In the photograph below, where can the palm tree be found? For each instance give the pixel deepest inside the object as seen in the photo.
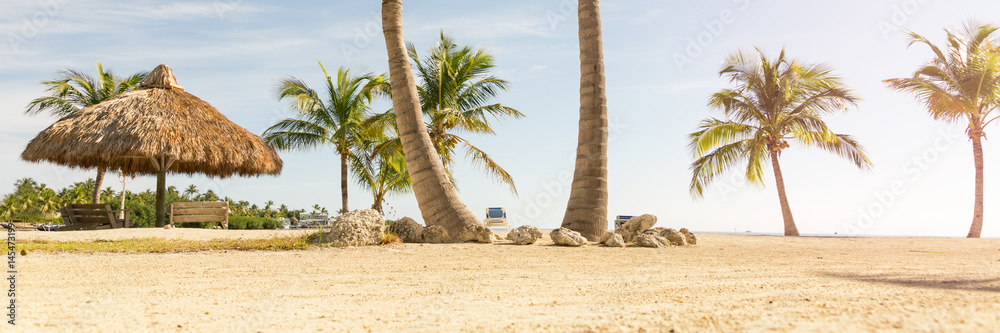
(381, 171)
(455, 96)
(438, 200)
(961, 85)
(107, 195)
(333, 117)
(587, 210)
(79, 192)
(74, 90)
(191, 192)
(774, 101)
(48, 200)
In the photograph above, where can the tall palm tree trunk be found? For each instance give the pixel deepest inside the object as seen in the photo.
(438, 200)
(977, 211)
(98, 181)
(786, 210)
(343, 181)
(161, 192)
(587, 210)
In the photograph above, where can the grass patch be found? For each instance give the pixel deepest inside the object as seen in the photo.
(160, 245)
(389, 238)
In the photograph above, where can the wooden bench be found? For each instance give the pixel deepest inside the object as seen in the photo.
(184, 212)
(92, 217)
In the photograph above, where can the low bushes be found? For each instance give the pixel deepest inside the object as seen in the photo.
(239, 223)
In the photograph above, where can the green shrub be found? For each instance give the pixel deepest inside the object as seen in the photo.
(246, 222)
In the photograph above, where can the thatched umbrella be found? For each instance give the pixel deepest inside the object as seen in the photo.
(155, 129)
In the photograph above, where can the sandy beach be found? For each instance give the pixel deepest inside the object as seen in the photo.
(725, 283)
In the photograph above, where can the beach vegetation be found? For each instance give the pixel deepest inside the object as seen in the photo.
(436, 195)
(961, 84)
(457, 91)
(773, 101)
(74, 90)
(587, 208)
(161, 245)
(331, 116)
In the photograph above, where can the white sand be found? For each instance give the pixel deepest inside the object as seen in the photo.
(726, 283)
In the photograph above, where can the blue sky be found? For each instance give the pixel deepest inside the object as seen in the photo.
(662, 62)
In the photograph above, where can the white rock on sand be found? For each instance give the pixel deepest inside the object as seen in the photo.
(524, 235)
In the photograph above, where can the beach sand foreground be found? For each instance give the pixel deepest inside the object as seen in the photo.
(725, 283)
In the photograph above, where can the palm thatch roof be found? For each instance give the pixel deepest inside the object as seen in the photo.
(156, 124)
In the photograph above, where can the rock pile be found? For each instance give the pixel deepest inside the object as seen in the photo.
(640, 231)
(356, 228)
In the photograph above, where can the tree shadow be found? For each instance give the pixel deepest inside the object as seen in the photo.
(948, 282)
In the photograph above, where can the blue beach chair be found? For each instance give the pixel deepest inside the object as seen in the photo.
(496, 217)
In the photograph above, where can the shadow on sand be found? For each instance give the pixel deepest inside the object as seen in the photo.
(950, 282)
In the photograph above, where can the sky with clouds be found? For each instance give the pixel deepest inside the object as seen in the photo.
(662, 61)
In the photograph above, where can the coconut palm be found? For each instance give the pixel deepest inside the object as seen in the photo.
(456, 94)
(331, 116)
(438, 200)
(191, 192)
(48, 201)
(74, 90)
(79, 192)
(587, 209)
(380, 171)
(774, 101)
(961, 85)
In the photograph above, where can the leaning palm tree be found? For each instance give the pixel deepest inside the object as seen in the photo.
(455, 95)
(74, 90)
(332, 116)
(774, 101)
(961, 84)
(587, 209)
(438, 200)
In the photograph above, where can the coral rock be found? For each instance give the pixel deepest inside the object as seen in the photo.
(475, 233)
(436, 234)
(652, 240)
(615, 240)
(690, 237)
(636, 226)
(675, 237)
(408, 230)
(566, 237)
(356, 228)
(524, 235)
(604, 237)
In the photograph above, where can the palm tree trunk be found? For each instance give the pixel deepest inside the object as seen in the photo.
(98, 181)
(786, 210)
(377, 203)
(587, 210)
(343, 181)
(161, 192)
(977, 211)
(438, 200)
